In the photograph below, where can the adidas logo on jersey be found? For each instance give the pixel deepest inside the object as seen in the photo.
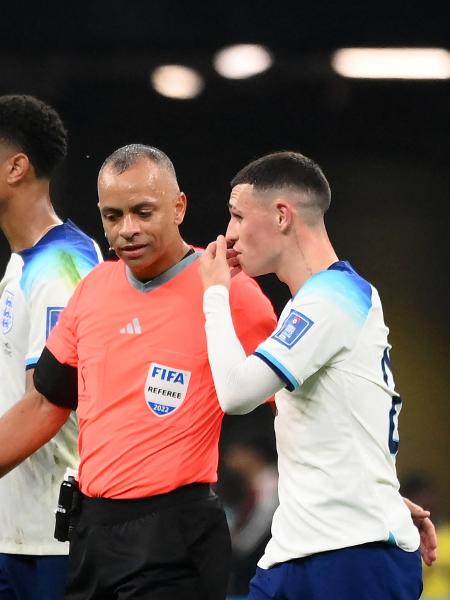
(132, 328)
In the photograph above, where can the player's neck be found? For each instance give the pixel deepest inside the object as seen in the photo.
(27, 217)
(314, 254)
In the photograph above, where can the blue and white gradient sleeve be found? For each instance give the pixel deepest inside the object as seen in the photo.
(49, 278)
(242, 382)
(318, 327)
(45, 300)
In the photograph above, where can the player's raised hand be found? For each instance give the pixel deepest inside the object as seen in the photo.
(214, 269)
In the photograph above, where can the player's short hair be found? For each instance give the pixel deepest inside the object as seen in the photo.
(126, 156)
(35, 129)
(287, 170)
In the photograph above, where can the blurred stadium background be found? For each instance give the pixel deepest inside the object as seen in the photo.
(383, 143)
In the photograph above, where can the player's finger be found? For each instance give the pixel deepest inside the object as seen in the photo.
(221, 247)
(417, 512)
(210, 251)
(429, 555)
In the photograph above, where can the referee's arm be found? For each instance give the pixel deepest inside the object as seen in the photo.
(27, 426)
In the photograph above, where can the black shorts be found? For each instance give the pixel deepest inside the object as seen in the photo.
(174, 546)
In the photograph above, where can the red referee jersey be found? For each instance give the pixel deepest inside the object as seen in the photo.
(148, 414)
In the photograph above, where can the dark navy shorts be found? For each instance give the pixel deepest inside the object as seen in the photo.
(375, 571)
(24, 577)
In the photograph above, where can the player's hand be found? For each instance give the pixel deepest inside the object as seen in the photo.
(428, 537)
(214, 269)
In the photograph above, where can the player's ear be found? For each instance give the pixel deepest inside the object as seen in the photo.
(17, 167)
(283, 216)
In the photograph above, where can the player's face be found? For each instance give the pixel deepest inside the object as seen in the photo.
(252, 230)
(141, 210)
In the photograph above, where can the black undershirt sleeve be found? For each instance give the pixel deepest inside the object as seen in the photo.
(56, 381)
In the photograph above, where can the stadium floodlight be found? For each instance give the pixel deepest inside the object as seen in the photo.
(392, 63)
(242, 61)
(177, 81)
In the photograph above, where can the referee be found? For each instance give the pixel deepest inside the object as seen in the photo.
(129, 355)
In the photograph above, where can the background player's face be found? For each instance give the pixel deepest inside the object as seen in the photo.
(141, 210)
(252, 230)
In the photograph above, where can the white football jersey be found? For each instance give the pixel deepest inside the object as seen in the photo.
(336, 423)
(35, 288)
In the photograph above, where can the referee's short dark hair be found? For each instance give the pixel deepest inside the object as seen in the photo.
(126, 156)
(35, 129)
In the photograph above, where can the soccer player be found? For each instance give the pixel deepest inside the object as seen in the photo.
(149, 525)
(48, 259)
(342, 530)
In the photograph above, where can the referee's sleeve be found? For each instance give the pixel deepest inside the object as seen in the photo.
(56, 381)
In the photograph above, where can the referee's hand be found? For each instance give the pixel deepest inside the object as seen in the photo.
(214, 264)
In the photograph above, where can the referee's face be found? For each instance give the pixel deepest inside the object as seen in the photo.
(141, 210)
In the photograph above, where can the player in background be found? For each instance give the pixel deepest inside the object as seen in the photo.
(149, 524)
(48, 259)
(342, 530)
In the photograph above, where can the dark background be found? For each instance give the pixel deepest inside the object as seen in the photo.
(384, 146)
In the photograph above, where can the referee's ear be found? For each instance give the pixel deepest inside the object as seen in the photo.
(180, 208)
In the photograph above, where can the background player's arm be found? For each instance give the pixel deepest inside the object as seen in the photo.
(27, 426)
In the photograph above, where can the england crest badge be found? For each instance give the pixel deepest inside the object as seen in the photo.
(7, 311)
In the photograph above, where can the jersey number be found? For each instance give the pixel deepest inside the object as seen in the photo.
(396, 406)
